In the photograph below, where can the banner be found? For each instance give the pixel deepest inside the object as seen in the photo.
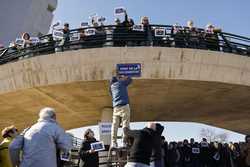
(131, 70)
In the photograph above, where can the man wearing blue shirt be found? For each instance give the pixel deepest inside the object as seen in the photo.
(121, 109)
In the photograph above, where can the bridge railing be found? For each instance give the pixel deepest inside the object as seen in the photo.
(119, 36)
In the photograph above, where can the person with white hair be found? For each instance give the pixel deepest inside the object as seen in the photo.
(40, 142)
(142, 146)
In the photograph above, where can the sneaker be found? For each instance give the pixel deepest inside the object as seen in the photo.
(114, 145)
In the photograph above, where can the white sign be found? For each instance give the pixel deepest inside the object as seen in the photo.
(138, 27)
(20, 41)
(105, 128)
(101, 19)
(74, 37)
(35, 40)
(160, 32)
(58, 34)
(196, 150)
(84, 24)
(90, 31)
(65, 156)
(97, 146)
(120, 10)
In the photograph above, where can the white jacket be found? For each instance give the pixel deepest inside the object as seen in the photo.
(39, 145)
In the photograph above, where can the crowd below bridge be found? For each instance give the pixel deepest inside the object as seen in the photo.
(43, 143)
(124, 32)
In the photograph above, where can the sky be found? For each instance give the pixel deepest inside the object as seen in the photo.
(173, 131)
(231, 16)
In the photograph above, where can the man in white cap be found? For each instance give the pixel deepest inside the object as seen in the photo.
(40, 142)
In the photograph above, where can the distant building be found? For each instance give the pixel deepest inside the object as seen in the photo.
(32, 16)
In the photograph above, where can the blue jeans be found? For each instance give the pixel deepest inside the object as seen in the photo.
(135, 164)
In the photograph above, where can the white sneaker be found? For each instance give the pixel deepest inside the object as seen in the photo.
(114, 145)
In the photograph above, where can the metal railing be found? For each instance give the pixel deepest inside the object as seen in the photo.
(119, 36)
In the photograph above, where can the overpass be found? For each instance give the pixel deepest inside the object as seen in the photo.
(177, 84)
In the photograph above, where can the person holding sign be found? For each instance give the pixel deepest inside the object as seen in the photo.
(121, 109)
(88, 155)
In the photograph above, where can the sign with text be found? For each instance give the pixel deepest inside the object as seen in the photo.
(120, 10)
(138, 27)
(90, 31)
(58, 34)
(131, 70)
(84, 24)
(105, 128)
(74, 37)
(35, 40)
(160, 32)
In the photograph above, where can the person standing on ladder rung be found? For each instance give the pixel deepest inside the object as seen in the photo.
(121, 109)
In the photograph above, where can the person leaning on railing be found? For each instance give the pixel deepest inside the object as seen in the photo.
(178, 36)
(27, 41)
(192, 35)
(211, 37)
(147, 31)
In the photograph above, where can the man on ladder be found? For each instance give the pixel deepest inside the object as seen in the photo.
(121, 109)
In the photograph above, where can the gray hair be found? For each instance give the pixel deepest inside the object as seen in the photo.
(47, 113)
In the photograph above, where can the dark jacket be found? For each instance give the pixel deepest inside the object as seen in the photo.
(87, 159)
(156, 152)
(119, 91)
(142, 146)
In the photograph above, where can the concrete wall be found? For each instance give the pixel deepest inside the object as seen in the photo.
(99, 64)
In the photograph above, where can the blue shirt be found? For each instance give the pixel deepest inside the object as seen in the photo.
(119, 91)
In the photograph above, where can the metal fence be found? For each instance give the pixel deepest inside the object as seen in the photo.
(120, 36)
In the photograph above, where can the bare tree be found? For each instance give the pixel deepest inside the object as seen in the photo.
(211, 135)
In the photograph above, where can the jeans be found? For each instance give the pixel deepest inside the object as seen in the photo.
(135, 164)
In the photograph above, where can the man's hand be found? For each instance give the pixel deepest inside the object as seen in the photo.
(91, 151)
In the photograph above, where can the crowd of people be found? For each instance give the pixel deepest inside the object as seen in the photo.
(206, 154)
(126, 33)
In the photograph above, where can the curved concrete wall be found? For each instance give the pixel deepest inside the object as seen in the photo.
(99, 64)
(176, 85)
